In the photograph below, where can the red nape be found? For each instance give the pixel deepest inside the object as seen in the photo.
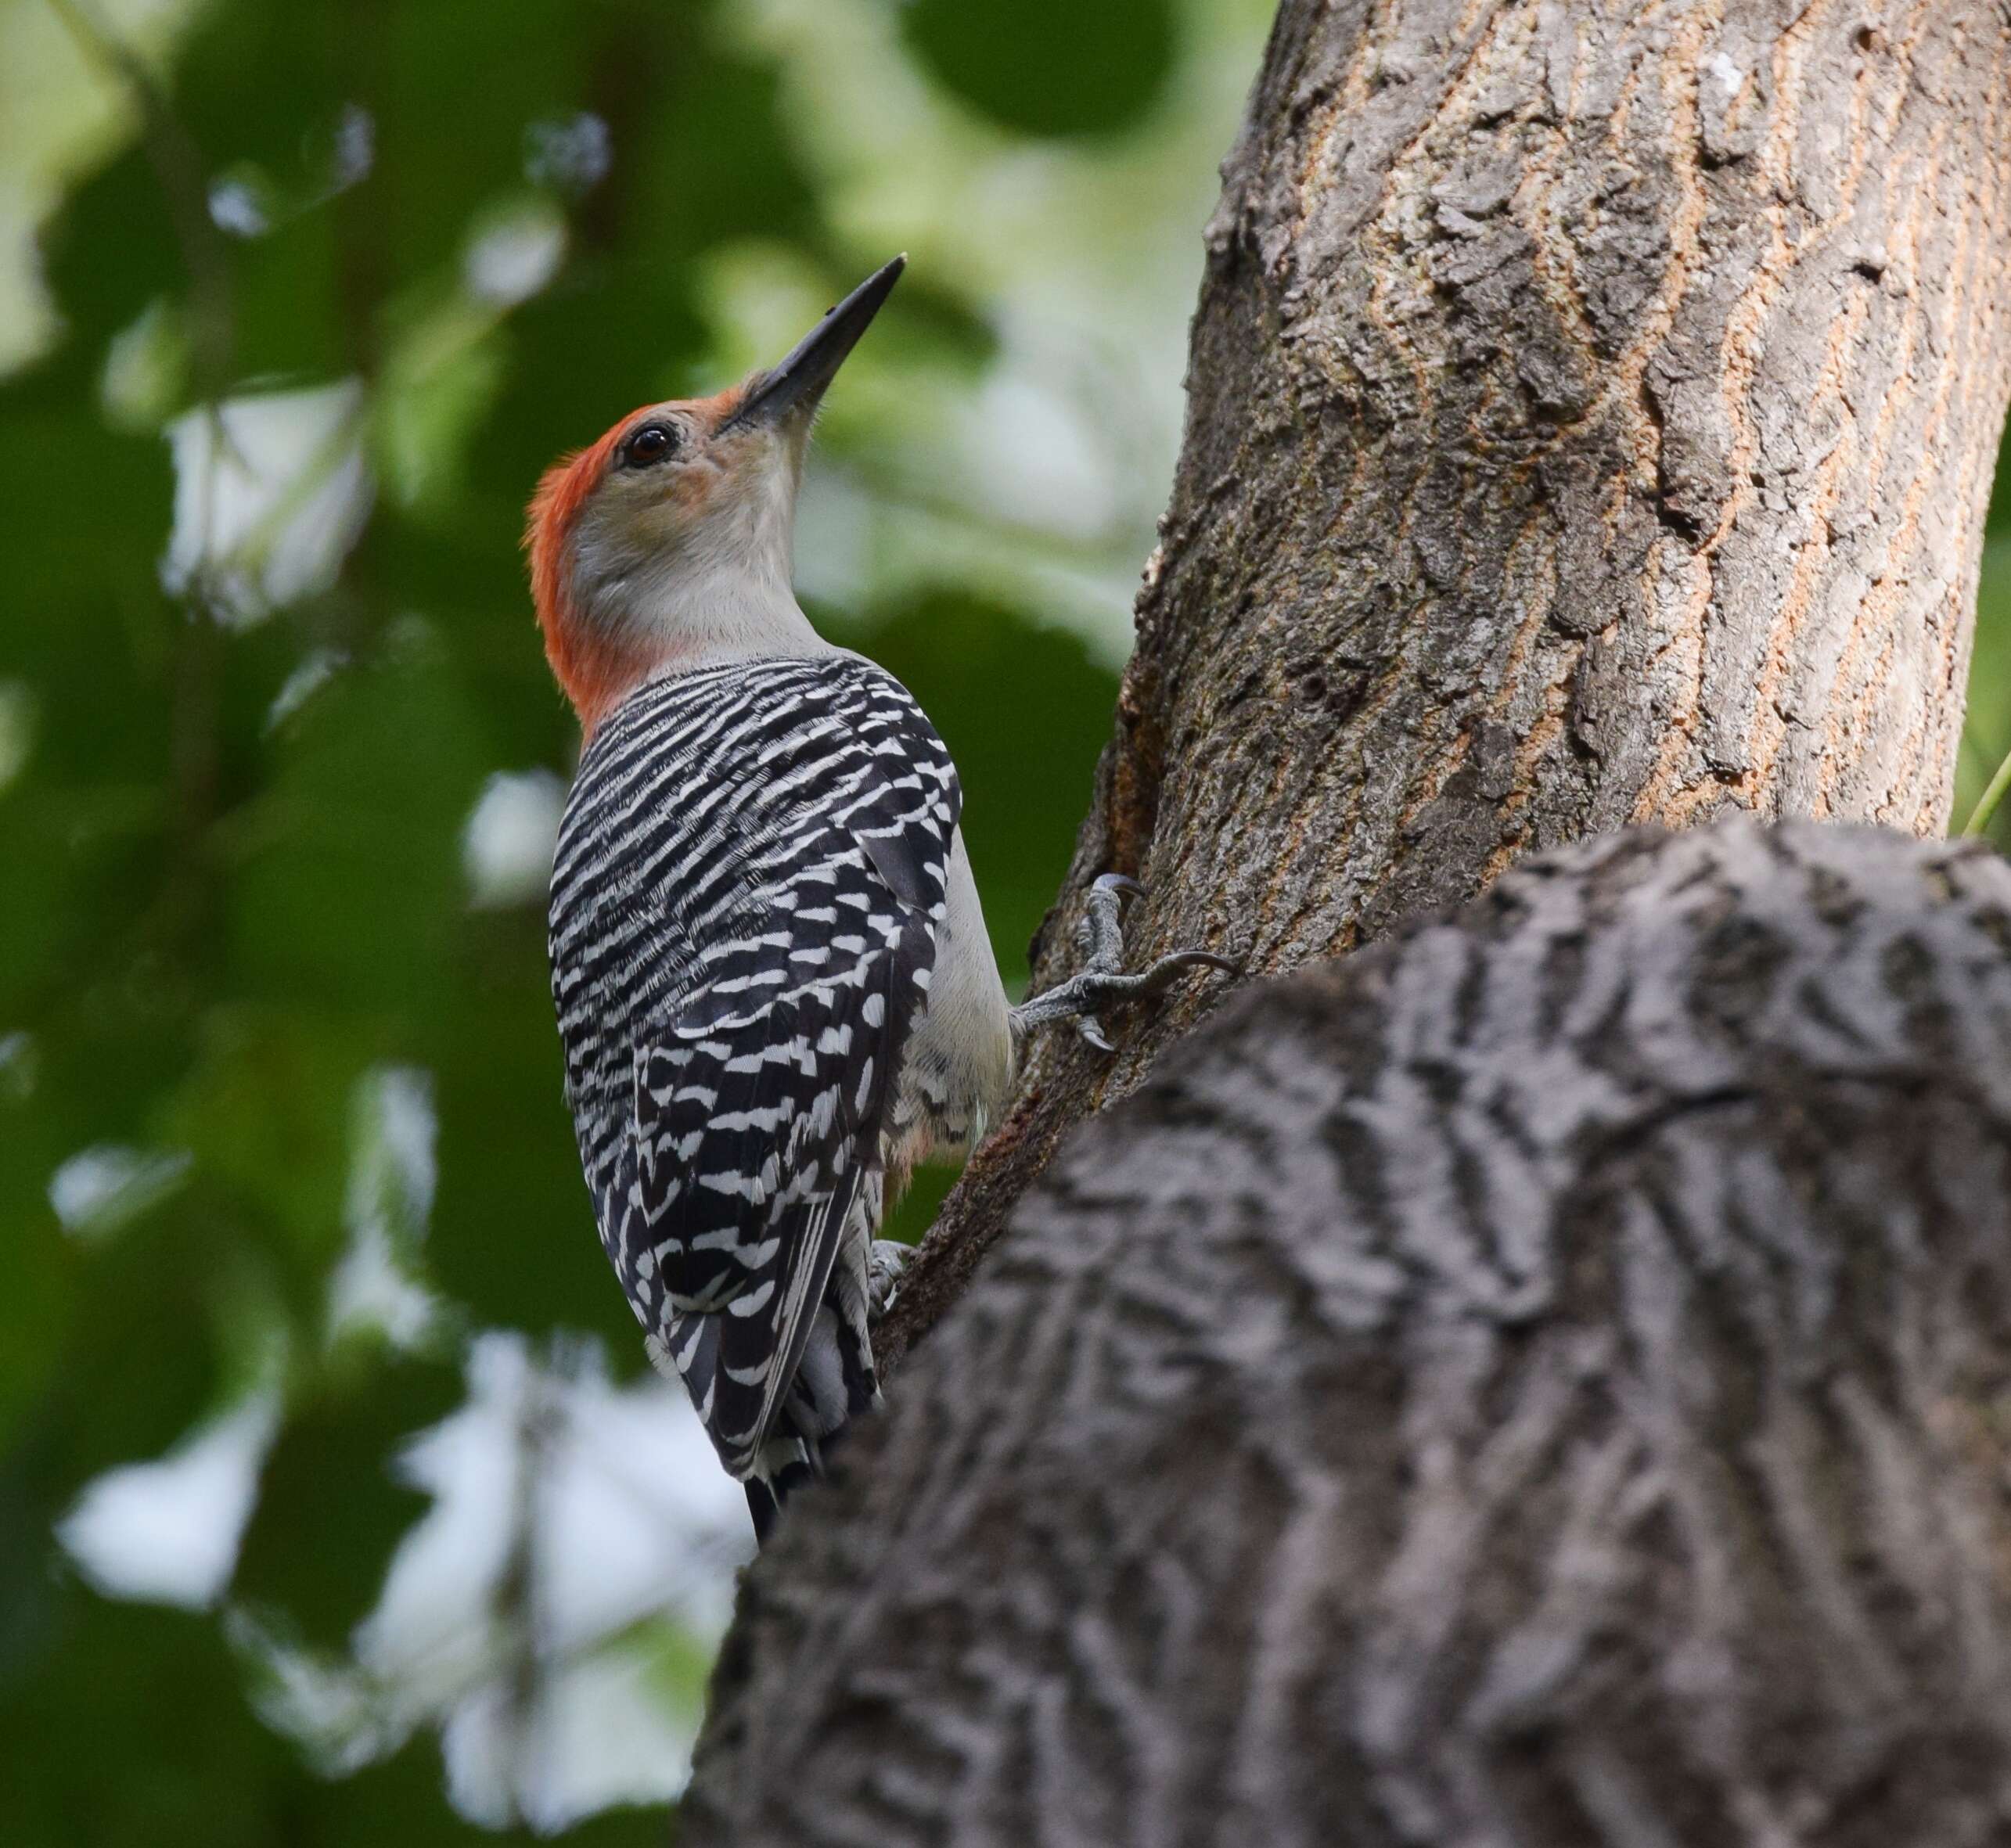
(594, 671)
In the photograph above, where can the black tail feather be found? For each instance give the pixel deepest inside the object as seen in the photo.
(767, 1493)
(834, 1384)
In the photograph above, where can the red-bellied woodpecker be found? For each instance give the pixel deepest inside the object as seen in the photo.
(773, 982)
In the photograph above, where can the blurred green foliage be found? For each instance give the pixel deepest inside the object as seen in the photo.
(1046, 66)
(234, 840)
(1987, 724)
(235, 792)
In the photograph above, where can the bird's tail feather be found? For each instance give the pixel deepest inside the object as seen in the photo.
(834, 1384)
(777, 1478)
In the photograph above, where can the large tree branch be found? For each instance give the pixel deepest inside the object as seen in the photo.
(1592, 409)
(1537, 1379)
(1543, 1380)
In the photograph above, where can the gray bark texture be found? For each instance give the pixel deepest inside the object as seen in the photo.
(1543, 1379)
(1592, 411)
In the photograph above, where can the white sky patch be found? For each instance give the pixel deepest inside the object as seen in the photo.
(630, 1512)
(515, 256)
(146, 363)
(353, 151)
(396, 1170)
(834, 527)
(1033, 458)
(392, 1176)
(271, 492)
(237, 205)
(167, 1532)
(430, 1635)
(572, 153)
(325, 1703)
(319, 666)
(611, 1740)
(19, 1067)
(62, 113)
(507, 842)
(17, 728)
(101, 1188)
(637, 1512)
(606, 1507)
(599, 1734)
(371, 1289)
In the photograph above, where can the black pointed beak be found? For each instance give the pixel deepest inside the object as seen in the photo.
(793, 388)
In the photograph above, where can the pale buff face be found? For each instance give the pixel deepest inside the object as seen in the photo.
(667, 543)
(686, 503)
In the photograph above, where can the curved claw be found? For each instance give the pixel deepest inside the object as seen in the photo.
(1118, 882)
(1164, 973)
(1228, 965)
(886, 1261)
(1091, 1030)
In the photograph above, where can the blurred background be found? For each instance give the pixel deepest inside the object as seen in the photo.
(336, 1504)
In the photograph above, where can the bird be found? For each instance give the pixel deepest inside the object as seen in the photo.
(775, 990)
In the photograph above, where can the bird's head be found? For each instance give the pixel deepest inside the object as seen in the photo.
(668, 541)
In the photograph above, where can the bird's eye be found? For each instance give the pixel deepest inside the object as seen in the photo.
(652, 443)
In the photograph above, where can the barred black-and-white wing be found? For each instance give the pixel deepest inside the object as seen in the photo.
(750, 879)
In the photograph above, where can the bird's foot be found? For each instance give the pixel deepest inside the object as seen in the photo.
(885, 1262)
(1102, 982)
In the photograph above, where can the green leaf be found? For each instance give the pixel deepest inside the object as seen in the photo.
(1048, 67)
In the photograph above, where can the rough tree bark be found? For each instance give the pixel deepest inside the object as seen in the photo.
(1592, 408)
(1545, 1379)
(1541, 1378)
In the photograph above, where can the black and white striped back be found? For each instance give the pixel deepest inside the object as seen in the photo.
(749, 884)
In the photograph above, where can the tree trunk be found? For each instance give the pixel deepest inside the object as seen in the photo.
(1592, 411)
(1542, 1380)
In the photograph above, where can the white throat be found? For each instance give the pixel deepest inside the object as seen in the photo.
(718, 589)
